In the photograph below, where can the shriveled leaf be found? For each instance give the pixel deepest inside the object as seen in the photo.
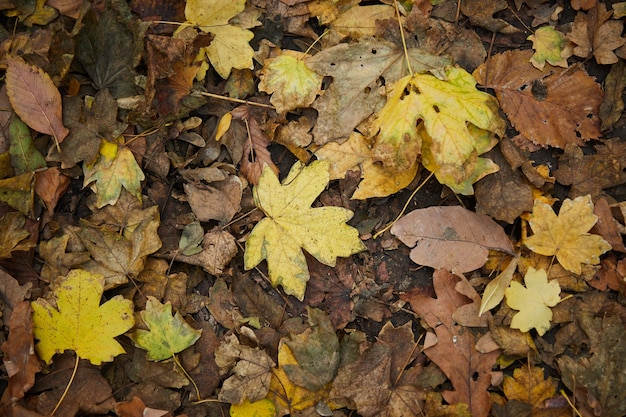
(613, 104)
(78, 321)
(452, 238)
(292, 225)
(355, 153)
(115, 168)
(35, 98)
(548, 44)
(566, 235)
(289, 80)
(533, 301)
(219, 200)
(566, 111)
(481, 13)
(166, 334)
(494, 291)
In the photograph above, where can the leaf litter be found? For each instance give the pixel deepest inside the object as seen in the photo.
(247, 183)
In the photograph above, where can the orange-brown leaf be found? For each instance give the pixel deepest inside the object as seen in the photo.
(35, 98)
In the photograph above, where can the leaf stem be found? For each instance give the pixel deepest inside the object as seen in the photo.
(67, 387)
(404, 48)
(380, 232)
(313, 44)
(236, 100)
(180, 365)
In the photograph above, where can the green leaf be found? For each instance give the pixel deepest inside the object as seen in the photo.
(167, 334)
(24, 155)
(548, 44)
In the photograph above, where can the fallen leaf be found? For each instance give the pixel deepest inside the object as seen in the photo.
(229, 49)
(566, 235)
(289, 80)
(452, 238)
(12, 293)
(481, 14)
(358, 22)
(50, 186)
(166, 334)
(607, 226)
(25, 156)
(79, 322)
(261, 408)
(594, 33)
(223, 306)
(529, 385)
(292, 225)
(20, 362)
(494, 292)
(567, 114)
(219, 200)
(18, 193)
(533, 301)
(597, 378)
(455, 352)
(548, 44)
(355, 153)
(190, 242)
(115, 168)
(613, 104)
(14, 235)
(250, 369)
(355, 95)
(35, 98)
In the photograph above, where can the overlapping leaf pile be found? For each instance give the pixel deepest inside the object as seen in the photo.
(203, 208)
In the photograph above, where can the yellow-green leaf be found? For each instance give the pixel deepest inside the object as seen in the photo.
(566, 235)
(494, 291)
(167, 334)
(533, 301)
(115, 168)
(292, 225)
(548, 44)
(291, 83)
(261, 408)
(78, 321)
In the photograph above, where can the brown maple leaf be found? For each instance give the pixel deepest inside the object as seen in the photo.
(455, 351)
(595, 34)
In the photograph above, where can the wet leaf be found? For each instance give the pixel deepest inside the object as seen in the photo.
(78, 321)
(166, 334)
(292, 225)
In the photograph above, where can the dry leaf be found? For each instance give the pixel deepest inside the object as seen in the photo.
(451, 238)
(595, 34)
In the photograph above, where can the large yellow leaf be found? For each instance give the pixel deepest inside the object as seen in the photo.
(353, 154)
(292, 225)
(455, 120)
(115, 168)
(565, 235)
(533, 301)
(79, 322)
(229, 48)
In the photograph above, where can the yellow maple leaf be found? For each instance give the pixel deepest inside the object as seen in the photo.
(79, 322)
(528, 385)
(292, 225)
(566, 235)
(448, 120)
(533, 301)
(229, 48)
(378, 181)
(115, 168)
(291, 83)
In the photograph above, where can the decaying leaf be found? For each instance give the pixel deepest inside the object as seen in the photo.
(14, 235)
(566, 112)
(548, 44)
(78, 321)
(452, 238)
(292, 225)
(166, 334)
(566, 235)
(529, 385)
(533, 301)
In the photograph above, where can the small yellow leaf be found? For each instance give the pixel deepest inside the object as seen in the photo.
(223, 125)
(291, 83)
(79, 322)
(494, 291)
(261, 408)
(548, 44)
(533, 301)
(292, 225)
(566, 235)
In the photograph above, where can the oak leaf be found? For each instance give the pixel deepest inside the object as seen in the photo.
(115, 168)
(289, 80)
(551, 107)
(355, 153)
(533, 301)
(78, 321)
(35, 98)
(452, 238)
(167, 334)
(548, 44)
(229, 49)
(292, 225)
(566, 235)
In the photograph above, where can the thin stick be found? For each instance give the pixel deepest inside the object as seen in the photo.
(236, 100)
(406, 51)
(180, 365)
(67, 387)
